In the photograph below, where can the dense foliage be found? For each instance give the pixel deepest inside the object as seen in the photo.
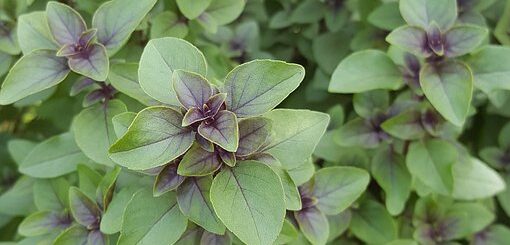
(218, 122)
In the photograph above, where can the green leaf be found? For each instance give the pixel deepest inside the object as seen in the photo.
(191, 89)
(431, 161)
(192, 9)
(159, 60)
(292, 197)
(94, 132)
(84, 210)
(124, 77)
(167, 180)
(336, 188)
(33, 73)
(76, 234)
(406, 126)
(167, 24)
(18, 199)
(250, 91)
(358, 132)
(296, 133)
(88, 180)
(370, 103)
(199, 162)
(469, 218)
(194, 202)
(338, 224)
(106, 188)
(115, 21)
(303, 172)
(225, 11)
(390, 172)
(253, 133)
(19, 149)
(314, 225)
(43, 222)
(326, 50)
(422, 13)
(491, 68)
(34, 32)
(352, 75)
(463, 39)
(372, 224)
(386, 16)
(223, 131)
(53, 157)
(152, 220)
(65, 23)
(410, 38)
(288, 234)
(154, 138)
(473, 180)
(111, 220)
(91, 63)
(493, 235)
(449, 88)
(249, 199)
(51, 194)
(121, 122)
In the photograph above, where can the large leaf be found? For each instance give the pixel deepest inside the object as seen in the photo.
(296, 133)
(390, 172)
(372, 224)
(33, 73)
(258, 86)
(117, 19)
(336, 188)
(159, 60)
(222, 131)
(154, 138)
(431, 161)
(314, 225)
(53, 157)
(194, 202)
(65, 23)
(422, 13)
(249, 200)
(449, 88)
(93, 130)
(365, 70)
(152, 220)
(92, 62)
(34, 33)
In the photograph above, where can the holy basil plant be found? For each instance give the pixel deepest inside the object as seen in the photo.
(219, 146)
(58, 41)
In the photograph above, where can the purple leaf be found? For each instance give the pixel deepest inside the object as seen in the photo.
(209, 238)
(84, 210)
(92, 98)
(204, 143)
(198, 162)
(87, 37)
(95, 237)
(91, 62)
(192, 89)
(193, 115)
(253, 133)
(65, 23)
(223, 130)
(67, 50)
(167, 180)
(410, 38)
(314, 225)
(266, 158)
(214, 104)
(80, 85)
(228, 158)
(435, 39)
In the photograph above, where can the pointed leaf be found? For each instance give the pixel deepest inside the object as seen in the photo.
(249, 199)
(358, 132)
(111, 220)
(92, 62)
(43, 222)
(167, 180)
(372, 224)
(209, 238)
(154, 138)
(410, 38)
(192, 89)
(463, 39)
(84, 210)
(422, 13)
(106, 188)
(314, 225)
(51, 194)
(449, 88)
(198, 162)
(253, 132)
(193, 115)
(75, 234)
(406, 126)
(194, 202)
(34, 32)
(152, 220)
(65, 23)
(159, 60)
(19, 149)
(225, 11)
(473, 180)
(121, 122)
(223, 131)
(124, 77)
(258, 86)
(33, 73)
(491, 68)
(95, 237)
(292, 197)
(115, 21)
(192, 9)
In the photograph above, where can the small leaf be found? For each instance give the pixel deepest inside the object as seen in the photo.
(491, 68)
(410, 38)
(152, 220)
(75, 234)
(115, 21)
(65, 23)
(223, 131)
(251, 91)
(249, 199)
(43, 222)
(84, 210)
(192, 9)
(106, 188)
(124, 77)
(336, 188)
(33, 73)
(358, 132)
(34, 32)
(159, 60)
(53, 157)
(372, 224)
(198, 162)
(209, 238)
(449, 88)
(19, 149)
(431, 162)
(92, 62)
(292, 197)
(288, 234)
(192, 89)
(145, 145)
(369, 104)
(353, 76)
(406, 126)
(167, 180)
(314, 225)
(225, 11)
(111, 220)
(97, 238)
(121, 122)
(18, 199)
(51, 194)
(422, 13)
(253, 132)
(463, 39)
(194, 202)
(168, 24)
